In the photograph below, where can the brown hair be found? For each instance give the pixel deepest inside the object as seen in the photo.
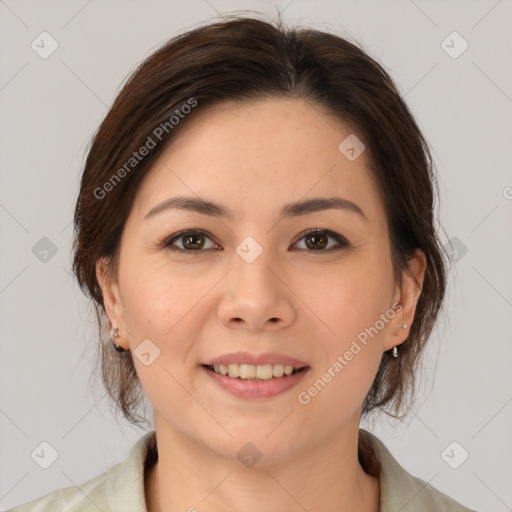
(244, 59)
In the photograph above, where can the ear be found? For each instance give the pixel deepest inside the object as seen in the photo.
(407, 296)
(112, 300)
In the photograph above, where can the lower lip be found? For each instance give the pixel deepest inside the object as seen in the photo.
(264, 389)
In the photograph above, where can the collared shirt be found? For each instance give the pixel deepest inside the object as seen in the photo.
(121, 488)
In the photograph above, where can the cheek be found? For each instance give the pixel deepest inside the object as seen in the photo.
(164, 312)
(162, 321)
(353, 296)
(157, 300)
(355, 310)
(351, 351)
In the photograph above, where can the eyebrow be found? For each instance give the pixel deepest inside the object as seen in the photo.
(296, 209)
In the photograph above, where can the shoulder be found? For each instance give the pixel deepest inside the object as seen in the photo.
(120, 488)
(402, 491)
(87, 497)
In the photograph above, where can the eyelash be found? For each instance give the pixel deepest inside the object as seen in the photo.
(343, 243)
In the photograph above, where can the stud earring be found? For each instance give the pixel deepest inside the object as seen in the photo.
(114, 334)
(394, 352)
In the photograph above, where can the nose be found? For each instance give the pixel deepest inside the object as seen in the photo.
(256, 296)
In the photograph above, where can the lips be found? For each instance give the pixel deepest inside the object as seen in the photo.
(255, 359)
(251, 389)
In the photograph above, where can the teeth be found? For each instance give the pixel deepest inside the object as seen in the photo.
(233, 370)
(278, 370)
(251, 372)
(264, 372)
(288, 370)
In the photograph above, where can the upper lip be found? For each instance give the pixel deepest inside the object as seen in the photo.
(256, 360)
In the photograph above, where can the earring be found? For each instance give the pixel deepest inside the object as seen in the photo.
(394, 352)
(114, 334)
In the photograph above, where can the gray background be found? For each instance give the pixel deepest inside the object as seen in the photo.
(50, 109)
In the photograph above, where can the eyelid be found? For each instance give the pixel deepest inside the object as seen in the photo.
(342, 241)
(168, 241)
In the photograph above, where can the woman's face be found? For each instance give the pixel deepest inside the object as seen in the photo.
(254, 281)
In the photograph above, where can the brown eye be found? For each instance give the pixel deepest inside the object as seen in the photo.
(318, 240)
(191, 241)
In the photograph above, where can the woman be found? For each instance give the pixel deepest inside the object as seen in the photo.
(288, 158)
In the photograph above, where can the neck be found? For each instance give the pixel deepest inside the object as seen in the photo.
(325, 477)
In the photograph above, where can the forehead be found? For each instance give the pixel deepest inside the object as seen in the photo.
(260, 155)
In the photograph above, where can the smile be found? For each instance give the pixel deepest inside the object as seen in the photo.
(254, 372)
(247, 384)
